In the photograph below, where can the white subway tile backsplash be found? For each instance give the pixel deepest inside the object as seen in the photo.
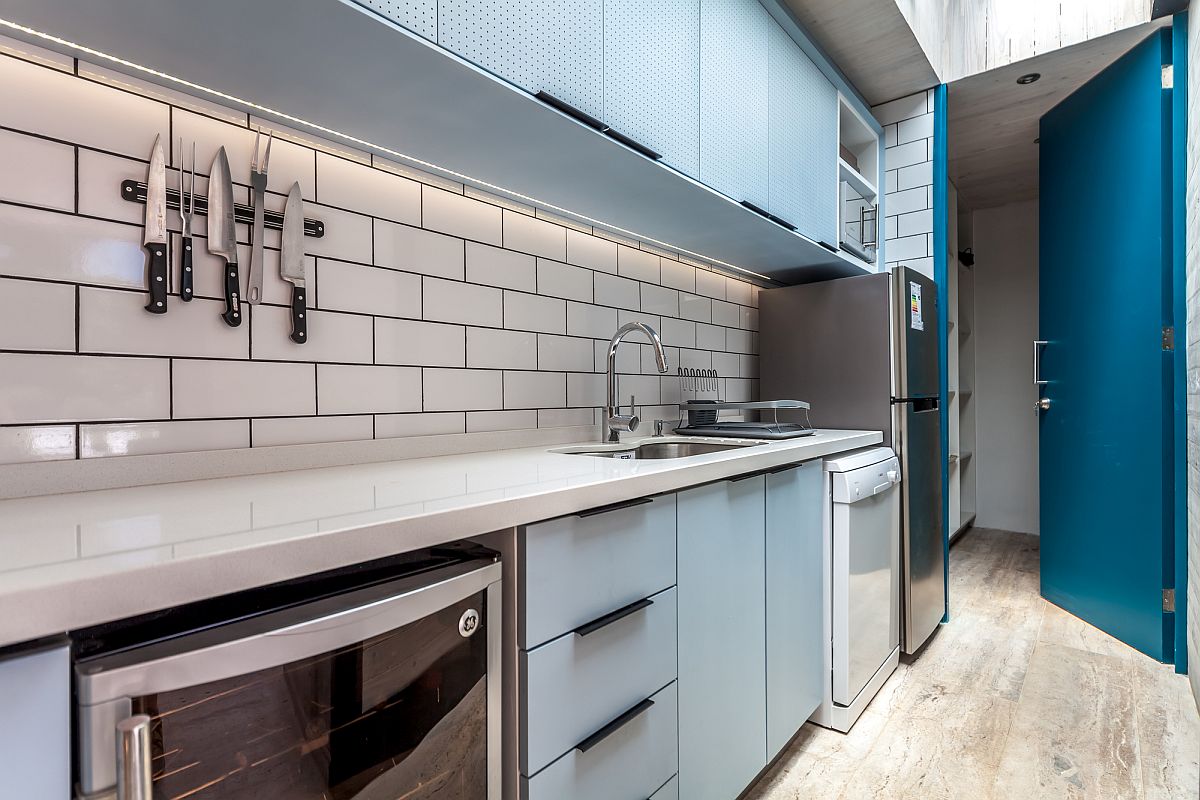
(347, 236)
(637, 264)
(913, 176)
(661, 301)
(494, 266)
(51, 103)
(416, 250)
(342, 286)
(534, 390)
(212, 389)
(902, 108)
(538, 237)
(343, 389)
(68, 388)
(465, 303)
(710, 284)
(905, 154)
(643, 388)
(146, 438)
(116, 321)
(37, 171)
(564, 353)
(529, 312)
(460, 216)
(905, 202)
(695, 308)
(392, 426)
(493, 349)
(904, 248)
(556, 279)
(909, 130)
(343, 338)
(618, 292)
(591, 252)
(596, 322)
(311, 430)
(61, 247)
(21, 445)
(38, 55)
(914, 223)
(677, 275)
(413, 331)
(463, 389)
(409, 342)
(347, 184)
(478, 421)
(37, 316)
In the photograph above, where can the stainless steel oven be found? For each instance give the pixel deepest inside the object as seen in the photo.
(379, 682)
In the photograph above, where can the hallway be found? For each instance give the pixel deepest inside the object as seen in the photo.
(1014, 699)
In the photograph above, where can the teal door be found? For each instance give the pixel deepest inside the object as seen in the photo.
(1106, 414)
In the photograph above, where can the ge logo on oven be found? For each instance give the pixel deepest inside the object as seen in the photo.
(468, 623)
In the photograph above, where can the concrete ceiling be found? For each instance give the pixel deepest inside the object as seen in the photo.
(993, 121)
(872, 44)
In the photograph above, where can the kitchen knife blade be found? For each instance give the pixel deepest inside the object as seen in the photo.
(155, 240)
(222, 234)
(291, 261)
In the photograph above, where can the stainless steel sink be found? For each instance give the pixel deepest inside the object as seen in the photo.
(661, 450)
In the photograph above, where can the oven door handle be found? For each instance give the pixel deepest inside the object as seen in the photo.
(283, 645)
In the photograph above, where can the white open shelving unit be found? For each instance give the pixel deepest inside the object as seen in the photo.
(858, 187)
(960, 364)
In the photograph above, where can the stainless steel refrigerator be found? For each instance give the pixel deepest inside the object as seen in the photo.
(863, 352)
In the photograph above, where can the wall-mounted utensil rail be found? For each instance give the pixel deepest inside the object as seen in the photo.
(135, 192)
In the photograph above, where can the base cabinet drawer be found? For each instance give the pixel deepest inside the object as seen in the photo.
(576, 684)
(631, 762)
(575, 569)
(669, 791)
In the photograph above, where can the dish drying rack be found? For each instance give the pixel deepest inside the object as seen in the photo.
(702, 412)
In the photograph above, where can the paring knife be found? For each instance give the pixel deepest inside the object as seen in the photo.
(222, 234)
(187, 212)
(156, 229)
(258, 185)
(291, 261)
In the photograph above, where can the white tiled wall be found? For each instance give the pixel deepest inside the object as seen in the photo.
(435, 308)
(908, 181)
(1193, 352)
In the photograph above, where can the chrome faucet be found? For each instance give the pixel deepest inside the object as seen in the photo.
(614, 421)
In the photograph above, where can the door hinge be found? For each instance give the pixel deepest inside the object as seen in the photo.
(1168, 338)
(1168, 600)
(1168, 76)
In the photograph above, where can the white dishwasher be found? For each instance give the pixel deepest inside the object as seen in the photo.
(862, 579)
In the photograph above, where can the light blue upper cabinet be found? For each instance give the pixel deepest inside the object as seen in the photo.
(419, 16)
(556, 46)
(803, 109)
(734, 52)
(795, 588)
(722, 638)
(652, 76)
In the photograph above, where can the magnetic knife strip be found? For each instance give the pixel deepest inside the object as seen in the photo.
(135, 192)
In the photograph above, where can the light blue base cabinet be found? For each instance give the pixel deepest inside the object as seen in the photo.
(722, 638)
(35, 737)
(795, 587)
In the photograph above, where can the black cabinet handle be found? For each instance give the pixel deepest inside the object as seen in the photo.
(614, 726)
(762, 212)
(770, 471)
(748, 476)
(633, 144)
(591, 512)
(571, 111)
(613, 616)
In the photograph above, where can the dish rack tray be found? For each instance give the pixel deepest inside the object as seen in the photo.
(702, 419)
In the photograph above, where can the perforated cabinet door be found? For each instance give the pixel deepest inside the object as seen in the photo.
(419, 16)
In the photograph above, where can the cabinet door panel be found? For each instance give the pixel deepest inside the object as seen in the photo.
(803, 109)
(795, 587)
(555, 46)
(734, 51)
(419, 16)
(652, 76)
(35, 739)
(722, 632)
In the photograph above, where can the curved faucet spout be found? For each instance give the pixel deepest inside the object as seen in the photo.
(614, 421)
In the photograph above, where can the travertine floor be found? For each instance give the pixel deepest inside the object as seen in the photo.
(1013, 699)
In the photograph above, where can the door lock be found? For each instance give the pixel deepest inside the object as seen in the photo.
(1041, 405)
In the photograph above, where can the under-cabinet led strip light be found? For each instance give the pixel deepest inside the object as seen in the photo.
(363, 143)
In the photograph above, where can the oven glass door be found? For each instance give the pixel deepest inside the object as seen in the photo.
(398, 716)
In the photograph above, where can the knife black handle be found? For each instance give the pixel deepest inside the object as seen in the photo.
(233, 296)
(299, 316)
(157, 278)
(185, 269)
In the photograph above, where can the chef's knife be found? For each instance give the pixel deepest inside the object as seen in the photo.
(156, 229)
(222, 234)
(291, 261)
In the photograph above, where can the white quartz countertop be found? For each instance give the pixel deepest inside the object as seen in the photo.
(72, 560)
